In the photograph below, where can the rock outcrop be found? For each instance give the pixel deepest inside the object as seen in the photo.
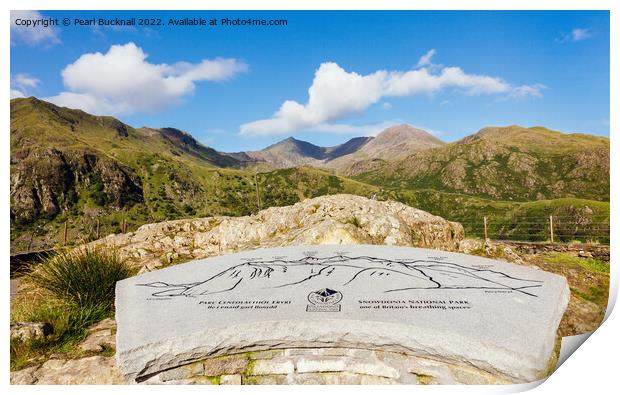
(27, 331)
(92, 370)
(335, 219)
(44, 182)
(101, 336)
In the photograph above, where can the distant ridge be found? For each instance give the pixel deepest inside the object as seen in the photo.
(507, 163)
(392, 143)
(68, 165)
(95, 175)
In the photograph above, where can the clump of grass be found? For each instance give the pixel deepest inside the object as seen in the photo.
(70, 325)
(354, 221)
(590, 264)
(71, 291)
(69, 322)
(84, 277)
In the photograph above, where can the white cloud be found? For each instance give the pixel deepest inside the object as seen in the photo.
(576, 35)
(415, 82)
(25, 81)
(20, 83)
(426, 59)
(386, 105)
(32, 35)
(580, 34)
(359, 130)
(89, 103)
(15, 93)
(525, 91)
(122, 81)
(336, 93)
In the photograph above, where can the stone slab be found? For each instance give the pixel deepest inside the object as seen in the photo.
(493, 315)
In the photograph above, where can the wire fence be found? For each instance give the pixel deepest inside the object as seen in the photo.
(593, 228)
(554, 229)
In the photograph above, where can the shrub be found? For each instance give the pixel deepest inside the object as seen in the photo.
(84, 277)
(189, 210)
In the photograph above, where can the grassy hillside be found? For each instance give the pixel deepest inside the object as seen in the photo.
(511, 163)
(574, 219)
(96, 174)
(36, 123)
(288, 186)
(203, 192)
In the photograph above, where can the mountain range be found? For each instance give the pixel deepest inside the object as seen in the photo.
(70, 166)
(392, 143)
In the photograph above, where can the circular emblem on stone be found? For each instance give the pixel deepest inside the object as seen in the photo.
(325, 297)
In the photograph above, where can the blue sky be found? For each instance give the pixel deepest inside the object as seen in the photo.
(243, 88)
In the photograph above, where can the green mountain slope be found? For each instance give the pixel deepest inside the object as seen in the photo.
(96, 174)
(508, 163)
(67, 165)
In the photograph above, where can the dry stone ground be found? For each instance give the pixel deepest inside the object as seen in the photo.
(334, 219)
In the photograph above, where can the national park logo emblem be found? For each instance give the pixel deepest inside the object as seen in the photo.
(324, 300)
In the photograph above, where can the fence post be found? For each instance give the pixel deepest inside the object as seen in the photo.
(97, 231)
(65, 235)
(486, 232)
(551, 227)
(257, 193)
(31, 238)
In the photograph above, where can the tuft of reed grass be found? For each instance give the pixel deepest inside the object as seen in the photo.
(70, 325)
(85, 277)
(72, 291)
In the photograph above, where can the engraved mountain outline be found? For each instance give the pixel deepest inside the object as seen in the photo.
(403, 274)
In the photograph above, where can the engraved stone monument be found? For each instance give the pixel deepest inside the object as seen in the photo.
(341, 314)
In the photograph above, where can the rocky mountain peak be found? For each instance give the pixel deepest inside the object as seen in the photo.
(406, 132)
(394, 142)
(399, 141)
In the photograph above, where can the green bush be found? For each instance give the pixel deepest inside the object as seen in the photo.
(84, 277)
